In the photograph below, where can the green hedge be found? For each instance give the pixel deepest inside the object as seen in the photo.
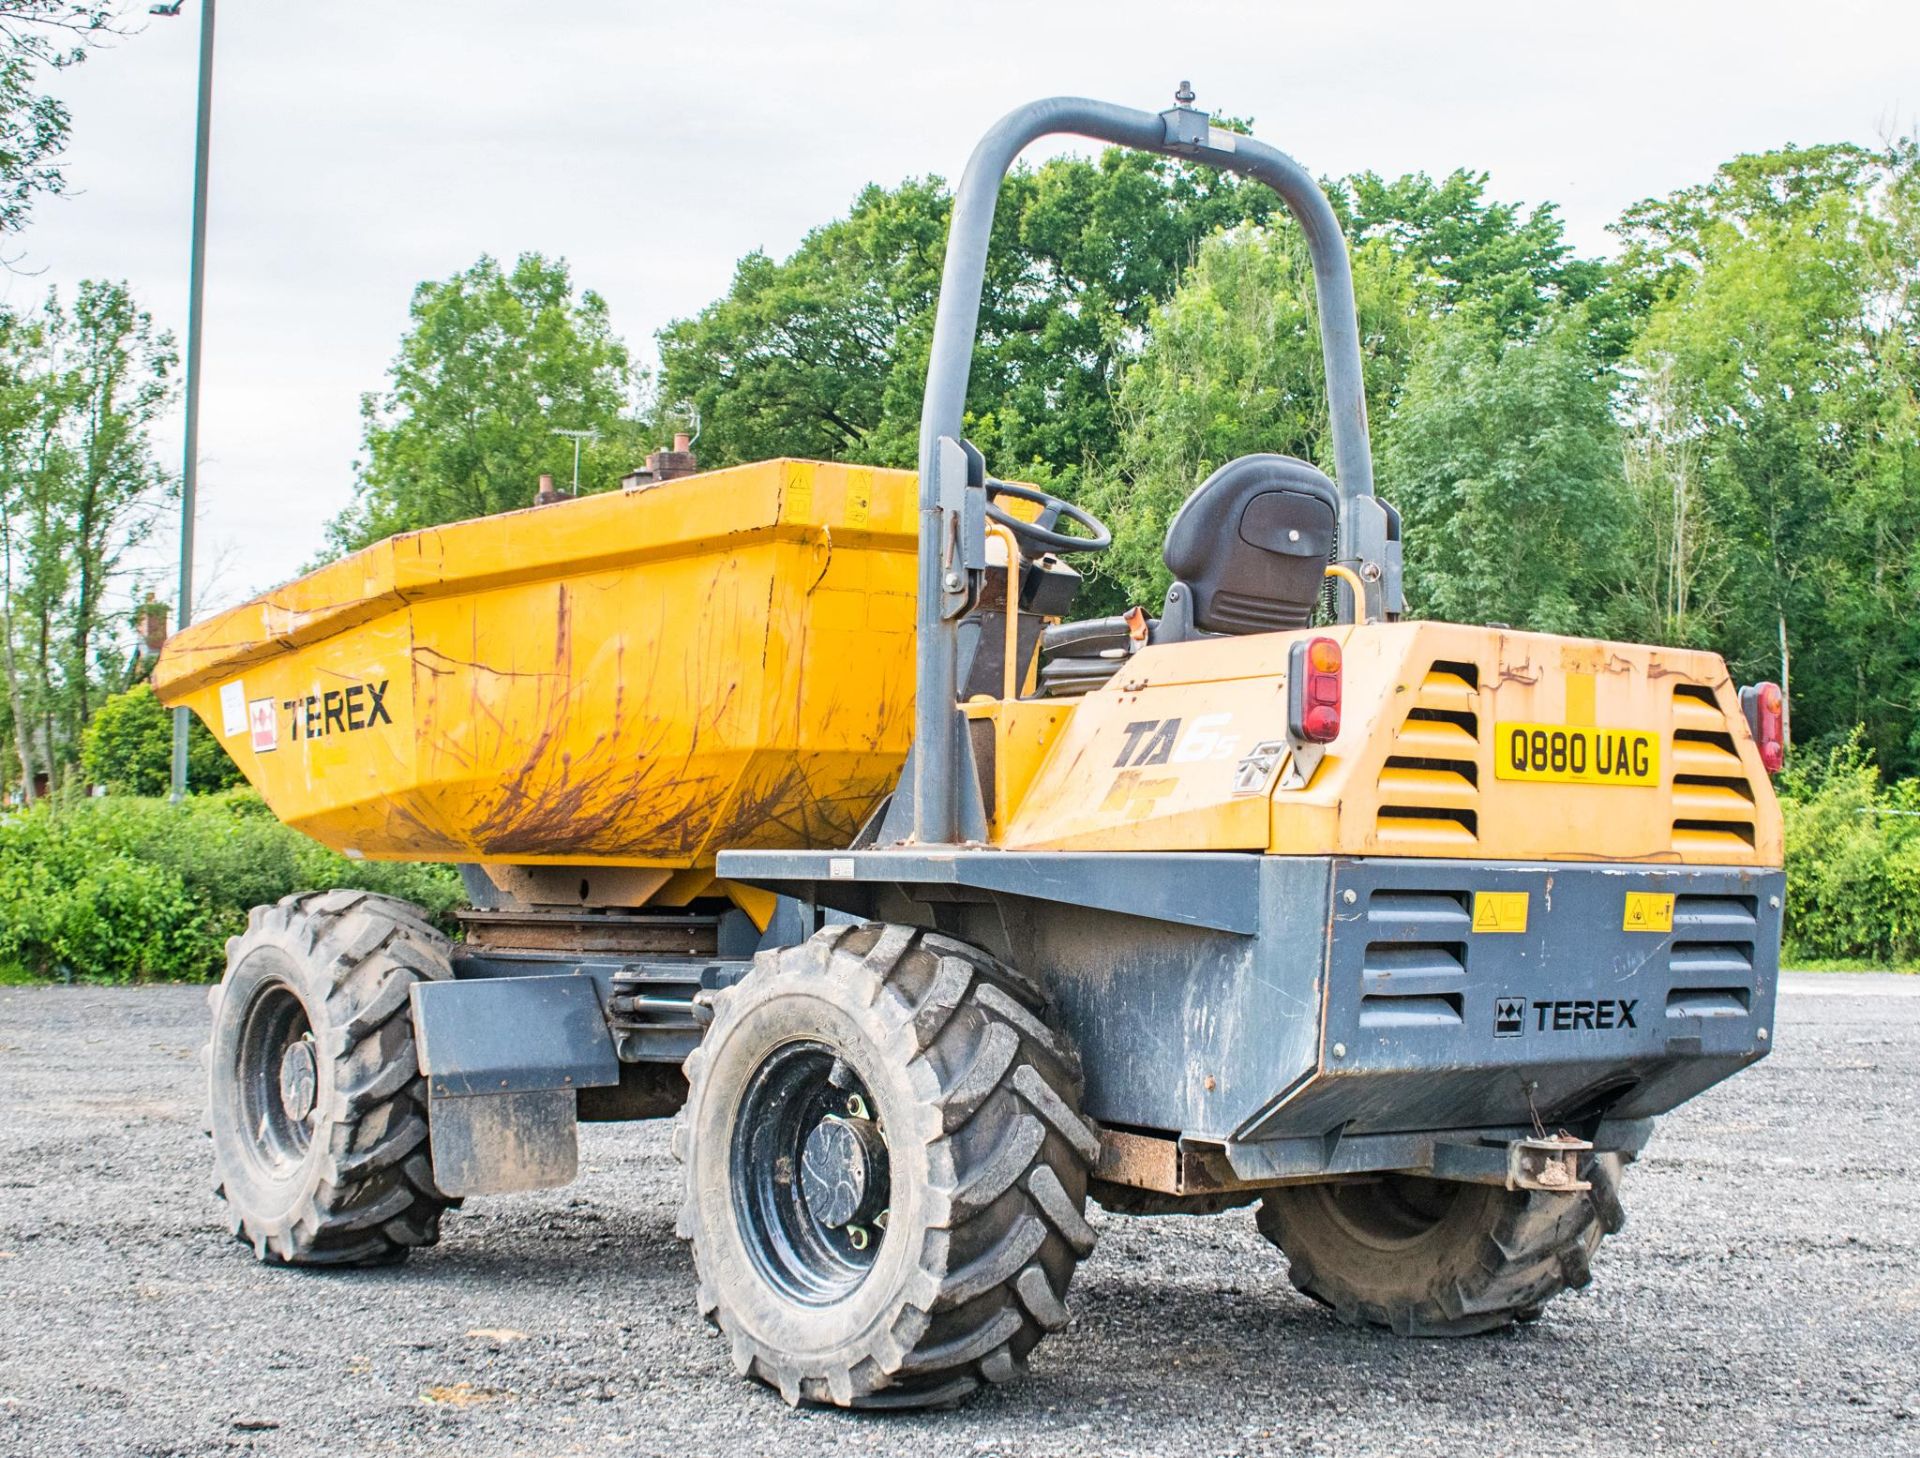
(1853, 862)
(140, 890)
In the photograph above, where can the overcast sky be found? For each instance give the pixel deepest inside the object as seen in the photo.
(360, 148)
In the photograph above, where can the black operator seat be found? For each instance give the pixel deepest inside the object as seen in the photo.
(1249, 549)
(1248, 552)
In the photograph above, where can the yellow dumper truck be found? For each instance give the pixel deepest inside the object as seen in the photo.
(794, 801)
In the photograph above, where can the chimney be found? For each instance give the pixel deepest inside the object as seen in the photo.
(668, 465)
(153, 624)
(546, 495)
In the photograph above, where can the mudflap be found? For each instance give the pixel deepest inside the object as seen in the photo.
(504, 1060)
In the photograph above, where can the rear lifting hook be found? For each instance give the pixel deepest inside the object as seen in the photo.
(1184, 96)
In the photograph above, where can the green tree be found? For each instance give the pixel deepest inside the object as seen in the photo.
(33, 125)
(825, 353)
(1667, 241)
(494, 361)
(119, 380)
(1231, 362)
(128, 747)
(1786, 322)
(1232, 365)
(80, 387)
(1505, 461)
(1516, 270)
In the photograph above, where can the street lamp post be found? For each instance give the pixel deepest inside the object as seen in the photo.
(577, 437)
(196, 291)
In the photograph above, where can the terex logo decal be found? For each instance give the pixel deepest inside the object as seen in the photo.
(338, 711)
(1509, 1017)
(1563, 1015)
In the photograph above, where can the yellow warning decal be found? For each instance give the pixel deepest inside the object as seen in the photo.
(1500, 911)
(1648, 911)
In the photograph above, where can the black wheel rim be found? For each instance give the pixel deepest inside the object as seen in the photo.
(1392, 1211)
(813, 1225)
(277, 1079)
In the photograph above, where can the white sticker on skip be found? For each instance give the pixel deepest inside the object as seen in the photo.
(233, 707)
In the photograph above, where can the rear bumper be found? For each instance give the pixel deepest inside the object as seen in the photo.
(1463, 996)
(1319, 1015)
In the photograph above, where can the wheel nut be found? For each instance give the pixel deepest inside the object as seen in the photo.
(857, 1237)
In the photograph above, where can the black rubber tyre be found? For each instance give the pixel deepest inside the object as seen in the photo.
(976, 1139)
(315, 1102)
(1435, 1258)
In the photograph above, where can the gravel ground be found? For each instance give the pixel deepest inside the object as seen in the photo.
(1764, 1298)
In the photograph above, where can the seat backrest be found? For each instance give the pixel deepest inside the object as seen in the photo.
(1252, 545)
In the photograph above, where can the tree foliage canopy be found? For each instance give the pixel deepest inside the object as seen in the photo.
(494, 361)
(1709, 439)
(825, 352)
(33, 125)
(128, 748)
(81, 385)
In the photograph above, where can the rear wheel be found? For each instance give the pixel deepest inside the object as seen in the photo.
(886, 1169)
(316, 1105)
(1427, 1257)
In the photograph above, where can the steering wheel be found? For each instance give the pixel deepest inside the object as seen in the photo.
(1039, 537)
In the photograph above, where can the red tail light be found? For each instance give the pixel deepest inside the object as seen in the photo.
(1313, 691)
(1766, 709)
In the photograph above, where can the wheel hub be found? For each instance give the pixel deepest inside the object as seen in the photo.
(838, 1165)
(299, 1079)
(811, 1173)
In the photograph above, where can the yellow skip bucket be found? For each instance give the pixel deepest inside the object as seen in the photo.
(638, 679)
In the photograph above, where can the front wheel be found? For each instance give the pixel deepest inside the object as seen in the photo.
(315, 1101)
(1434, 1258)
(886, 1169)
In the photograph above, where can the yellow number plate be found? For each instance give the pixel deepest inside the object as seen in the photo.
(1573, 754)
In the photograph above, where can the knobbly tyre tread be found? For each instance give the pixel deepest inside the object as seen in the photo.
(1526, 1248)
(1005, 1119)
(369, 1197)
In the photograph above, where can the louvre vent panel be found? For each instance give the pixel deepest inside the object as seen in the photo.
(1437, 737)
(1415, 967)
(1709, 1002)
(1707, 835)
(1722, 917)
(1430, 784)
(1711, 959)
(1397, 963)
(1412, 787)
(1713, 810)
(1441, 1011)
(1422, 914)
(1711, 801)
(1691, 711)
(1702, 757)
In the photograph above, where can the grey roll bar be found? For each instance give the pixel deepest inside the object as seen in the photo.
(951, 539)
